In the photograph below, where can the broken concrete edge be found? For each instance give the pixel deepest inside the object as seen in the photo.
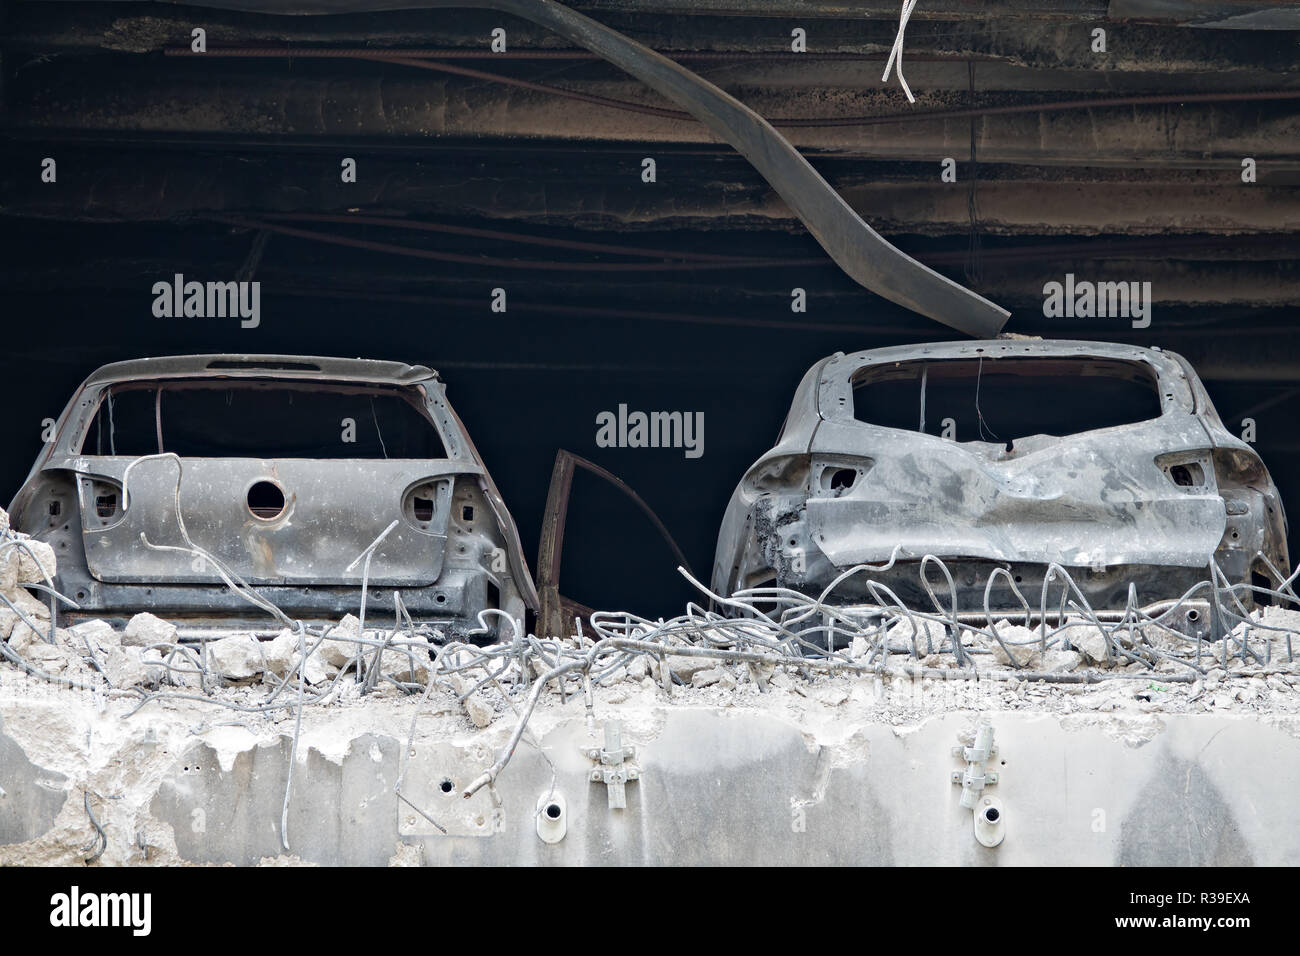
(128, 687)
(148, 661)
(80, 752)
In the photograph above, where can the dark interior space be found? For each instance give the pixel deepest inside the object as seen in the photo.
(674, 295)
(247, 421)
(1002, 399)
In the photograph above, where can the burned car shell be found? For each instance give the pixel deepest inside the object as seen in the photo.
(460, 558)
(1100, 503)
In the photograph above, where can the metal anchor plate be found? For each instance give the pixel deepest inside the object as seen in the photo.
(615, 770)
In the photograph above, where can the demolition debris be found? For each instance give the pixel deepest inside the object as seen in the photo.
(764, 639)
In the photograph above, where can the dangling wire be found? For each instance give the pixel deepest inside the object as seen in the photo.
(979, 415)
(157, 416)
(378, 431)
(925, 373)
(897, 52)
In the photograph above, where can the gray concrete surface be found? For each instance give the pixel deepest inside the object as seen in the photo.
(718, 785)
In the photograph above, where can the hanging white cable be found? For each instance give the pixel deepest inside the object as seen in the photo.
(897, 52)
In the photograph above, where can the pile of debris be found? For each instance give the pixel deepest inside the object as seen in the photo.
(825, 667)
(767, 637)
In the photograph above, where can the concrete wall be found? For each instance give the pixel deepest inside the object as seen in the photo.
(717, 786)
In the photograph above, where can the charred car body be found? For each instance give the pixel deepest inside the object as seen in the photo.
(285, 469)
(1107, 460)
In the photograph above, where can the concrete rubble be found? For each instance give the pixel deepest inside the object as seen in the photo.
(145, 630)
(125, 758)
(105, 713)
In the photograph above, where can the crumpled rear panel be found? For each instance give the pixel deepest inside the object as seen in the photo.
(1086, 500)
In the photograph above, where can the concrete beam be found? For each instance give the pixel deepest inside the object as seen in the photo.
(561, 185)
(372, 101)
(736, 785)
(1060, 39)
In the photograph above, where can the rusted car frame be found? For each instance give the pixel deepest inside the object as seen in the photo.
(290, 523)
(1147, 495)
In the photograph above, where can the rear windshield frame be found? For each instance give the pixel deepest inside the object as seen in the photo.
(410, 396)
(993, 373)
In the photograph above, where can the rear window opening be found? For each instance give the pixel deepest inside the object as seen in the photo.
(998, 400)
(251, 419)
